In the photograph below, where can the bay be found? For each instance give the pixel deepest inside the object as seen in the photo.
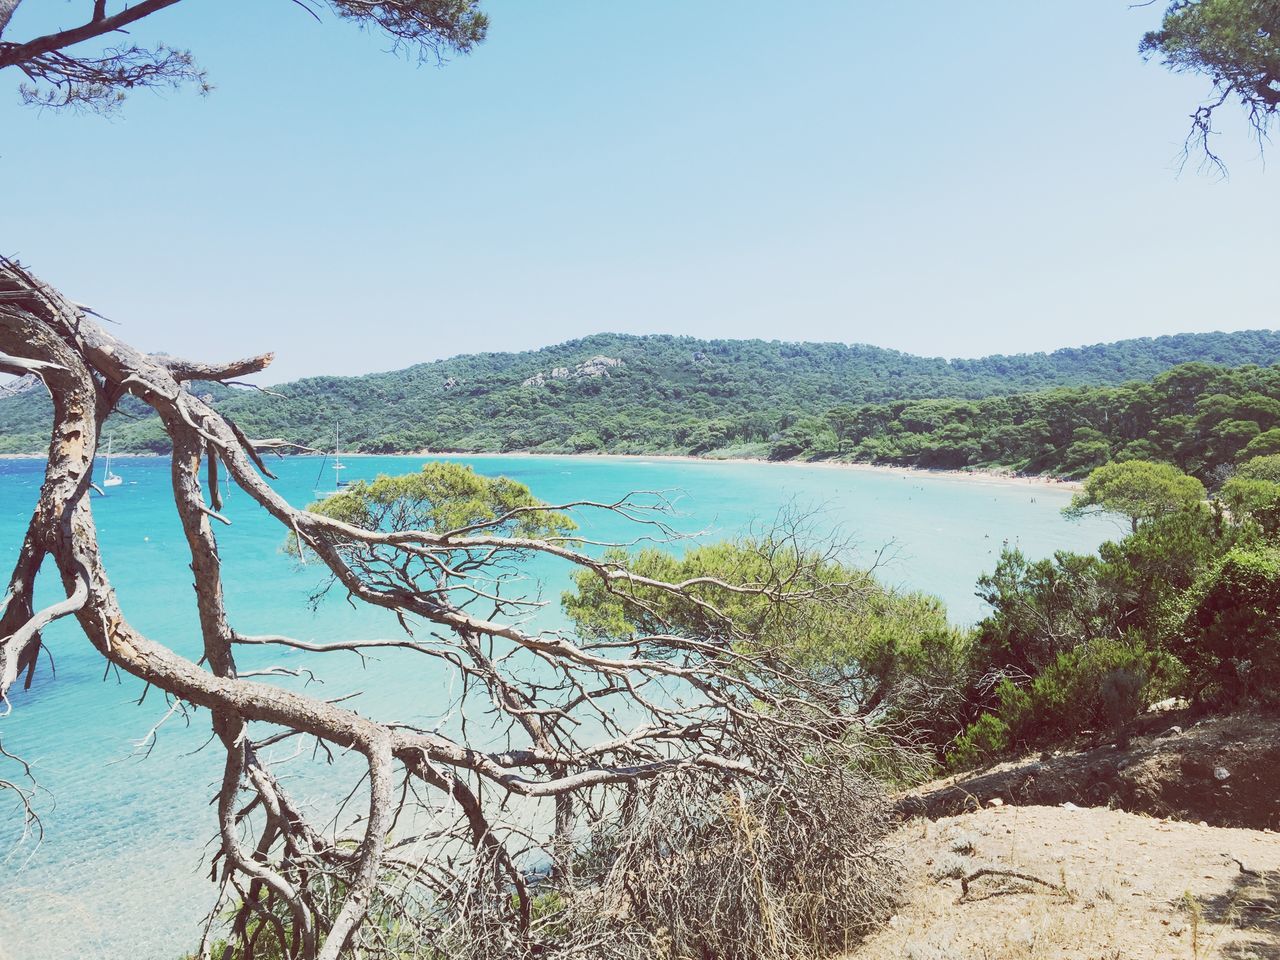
(122, 869)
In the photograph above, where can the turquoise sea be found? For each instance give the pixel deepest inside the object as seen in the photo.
(122, 868)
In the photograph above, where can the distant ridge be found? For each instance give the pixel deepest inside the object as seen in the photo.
(642, 394)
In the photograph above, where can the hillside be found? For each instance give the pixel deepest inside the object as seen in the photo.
(1197, 416)
(629, 394)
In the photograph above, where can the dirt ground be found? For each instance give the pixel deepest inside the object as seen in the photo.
(1124, 887)
(1222, 770)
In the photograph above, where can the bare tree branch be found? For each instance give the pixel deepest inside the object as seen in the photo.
(60, 73)
(580, 733)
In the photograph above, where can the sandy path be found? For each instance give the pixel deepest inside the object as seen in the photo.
(1135, 888)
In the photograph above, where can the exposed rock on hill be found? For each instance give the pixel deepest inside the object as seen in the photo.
(592, 369)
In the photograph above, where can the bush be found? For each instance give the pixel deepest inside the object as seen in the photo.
(1040, 608)
(981, 742)
(1227, 632)
(1122, 699)
(1104, 683)
(1145, 574)
(1254, 493)
(1100, 684)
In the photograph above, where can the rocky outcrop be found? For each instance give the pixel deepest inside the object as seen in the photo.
(591, 369)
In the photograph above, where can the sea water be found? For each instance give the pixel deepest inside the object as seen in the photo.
(124, 784)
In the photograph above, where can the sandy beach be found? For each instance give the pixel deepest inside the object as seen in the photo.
(967, 476)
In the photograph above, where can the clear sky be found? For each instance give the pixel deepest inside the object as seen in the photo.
(943, 178)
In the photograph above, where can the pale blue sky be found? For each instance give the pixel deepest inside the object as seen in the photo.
(942, 178)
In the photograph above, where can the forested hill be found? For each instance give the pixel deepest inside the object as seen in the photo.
(642, 394)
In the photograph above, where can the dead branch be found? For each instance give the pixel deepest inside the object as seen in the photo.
(455, 831)
(1013, 874)
(183, 370)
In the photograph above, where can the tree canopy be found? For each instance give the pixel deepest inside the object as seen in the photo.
(444, 496)
(83, 66)
(1236, 45)
(894, 652)
(1138, 490)
(1227, 634)
(770, 399)
(1254, 492)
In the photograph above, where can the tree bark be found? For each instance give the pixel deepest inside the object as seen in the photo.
(7, 8)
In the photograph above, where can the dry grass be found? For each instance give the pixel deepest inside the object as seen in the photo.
(792, 872)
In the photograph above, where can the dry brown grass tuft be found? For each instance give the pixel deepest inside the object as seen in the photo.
(797, 871)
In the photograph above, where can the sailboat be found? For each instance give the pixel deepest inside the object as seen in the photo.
(338, 467)
(110, 479)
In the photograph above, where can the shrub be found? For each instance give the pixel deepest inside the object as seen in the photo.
(1144, 574)
(1122, 699)
(982, 741)
(1103, 683)
(1099, 684)
(1227, 632)
(1254, 492)
(1039, 609)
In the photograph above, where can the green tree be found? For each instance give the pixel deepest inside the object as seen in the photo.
(1089, 449)
(1143, 574)
(444, 496)
(1229, 438)
(1236, 45)
(806, 435)
(1136, 489)
(1261, 468)
(1262, 445)
(1040, 608)
(584, 441)
(1228, 634)
(896, 652)
(87, 67)
(1254, 493)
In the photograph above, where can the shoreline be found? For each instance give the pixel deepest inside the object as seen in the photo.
(937, 473)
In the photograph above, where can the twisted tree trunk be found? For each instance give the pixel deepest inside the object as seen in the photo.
(724, 706)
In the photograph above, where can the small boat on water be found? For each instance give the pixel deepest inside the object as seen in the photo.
(110, 479)
(338, 467)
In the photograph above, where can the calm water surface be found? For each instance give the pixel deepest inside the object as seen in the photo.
(122, 870)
